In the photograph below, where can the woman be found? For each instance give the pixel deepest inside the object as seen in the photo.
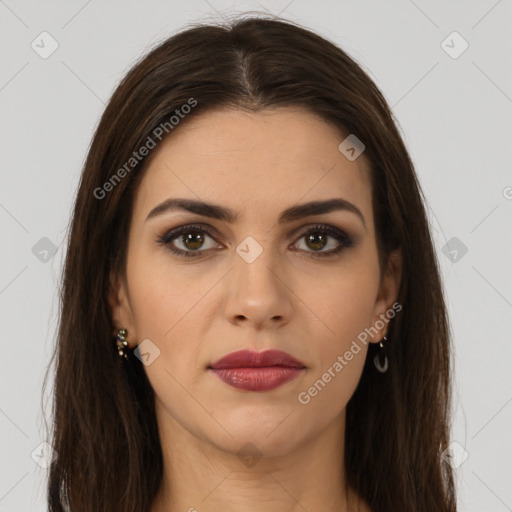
(252, 315)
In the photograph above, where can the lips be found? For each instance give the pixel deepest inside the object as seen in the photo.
(249, 359)
(257, 371)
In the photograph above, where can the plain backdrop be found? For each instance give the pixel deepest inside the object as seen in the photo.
(445, 69)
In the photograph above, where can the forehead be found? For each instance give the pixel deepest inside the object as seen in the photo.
(269, 160)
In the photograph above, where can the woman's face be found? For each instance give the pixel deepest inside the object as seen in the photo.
(307, 284)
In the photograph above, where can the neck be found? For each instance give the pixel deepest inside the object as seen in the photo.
(200, 476)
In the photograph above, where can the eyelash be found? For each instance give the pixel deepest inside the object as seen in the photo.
(167, 238)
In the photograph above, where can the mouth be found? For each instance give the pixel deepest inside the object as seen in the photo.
(257, 371)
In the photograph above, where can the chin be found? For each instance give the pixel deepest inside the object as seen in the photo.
(273, 432)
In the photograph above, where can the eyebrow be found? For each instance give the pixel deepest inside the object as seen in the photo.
(225, 214)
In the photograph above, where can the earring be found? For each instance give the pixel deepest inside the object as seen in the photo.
(381, 360)
(122, 344)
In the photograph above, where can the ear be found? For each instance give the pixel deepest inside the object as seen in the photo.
(120, 309)
(387, 295)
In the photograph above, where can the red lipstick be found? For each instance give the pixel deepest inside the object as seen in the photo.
(257, 371)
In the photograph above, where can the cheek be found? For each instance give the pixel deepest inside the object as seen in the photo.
(343, 300)
(172, 306)
(167, 306)
(164, 294)
(345, 309)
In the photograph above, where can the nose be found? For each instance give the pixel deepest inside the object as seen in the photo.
(257, 293)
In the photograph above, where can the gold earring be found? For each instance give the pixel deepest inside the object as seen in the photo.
(122, 344)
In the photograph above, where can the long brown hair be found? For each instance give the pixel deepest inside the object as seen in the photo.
(104, 425)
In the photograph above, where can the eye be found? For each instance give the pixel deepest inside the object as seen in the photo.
(317, 239)
(191, 238)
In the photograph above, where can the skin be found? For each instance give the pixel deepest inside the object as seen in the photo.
(197, 310)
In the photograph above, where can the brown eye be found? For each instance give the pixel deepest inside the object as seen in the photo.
(317, 239)
(188, 241)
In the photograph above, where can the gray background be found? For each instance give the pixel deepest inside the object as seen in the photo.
(454, 114)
